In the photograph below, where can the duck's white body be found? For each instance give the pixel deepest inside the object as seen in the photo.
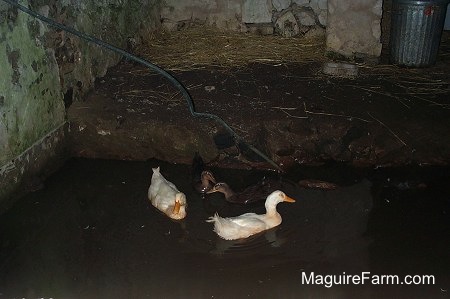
(166, 197)
(248, 224)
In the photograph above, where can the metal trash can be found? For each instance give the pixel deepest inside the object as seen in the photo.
(416, 29)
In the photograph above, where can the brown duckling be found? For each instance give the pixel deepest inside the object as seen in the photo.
(206, 182)
(203, 180)
(251, 194)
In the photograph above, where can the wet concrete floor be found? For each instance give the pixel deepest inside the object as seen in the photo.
(91, 232)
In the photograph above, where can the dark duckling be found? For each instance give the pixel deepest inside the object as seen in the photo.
(251, 194)
(203, 180)
(206, 182)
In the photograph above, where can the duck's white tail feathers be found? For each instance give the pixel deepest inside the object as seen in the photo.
(227, 229)
(213, 218)
(219, 223)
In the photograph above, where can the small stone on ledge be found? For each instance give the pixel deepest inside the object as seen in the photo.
(340, 69)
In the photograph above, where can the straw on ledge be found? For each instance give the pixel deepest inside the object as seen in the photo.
(199, 46)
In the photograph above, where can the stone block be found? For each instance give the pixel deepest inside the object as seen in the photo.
(257, 11)
(338, 69)
(316, 31)
(286, 25)
(280, 5)
(306, 17)
(322, 4)
(301, 2)
(323, 17)
(353, 27)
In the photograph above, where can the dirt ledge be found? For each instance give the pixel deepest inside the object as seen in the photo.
(292, 112)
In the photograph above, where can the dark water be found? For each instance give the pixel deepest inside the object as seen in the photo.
(92, 233)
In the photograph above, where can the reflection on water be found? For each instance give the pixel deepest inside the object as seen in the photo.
(255, 243)
(322, 225)
(92, 233)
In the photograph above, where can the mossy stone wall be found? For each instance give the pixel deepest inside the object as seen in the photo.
(43, 70)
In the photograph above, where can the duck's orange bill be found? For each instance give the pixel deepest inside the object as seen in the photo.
(288, 199)
(176, 207)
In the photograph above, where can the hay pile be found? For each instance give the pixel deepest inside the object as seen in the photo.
(202, 47)
(199, 46)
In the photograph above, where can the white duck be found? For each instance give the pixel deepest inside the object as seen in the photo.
(166, 197)
(248, 224)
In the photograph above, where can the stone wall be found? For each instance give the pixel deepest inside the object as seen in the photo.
(284, 17)
(44, 70)
(353, 27)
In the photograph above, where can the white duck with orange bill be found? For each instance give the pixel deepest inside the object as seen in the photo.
(248, 224)
(166, 197)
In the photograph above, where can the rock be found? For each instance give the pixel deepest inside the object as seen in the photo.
(318, 5)
(315, 32)
(339, 69)
(378, 8)
(323, 17)
(305, 16)
(280, 5)
(286, 25)
(322, 4)
(301, 2)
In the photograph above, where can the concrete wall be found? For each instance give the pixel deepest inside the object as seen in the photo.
(42, 71)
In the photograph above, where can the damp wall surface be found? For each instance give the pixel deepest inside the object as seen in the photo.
(44, 70)
(31, 104)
